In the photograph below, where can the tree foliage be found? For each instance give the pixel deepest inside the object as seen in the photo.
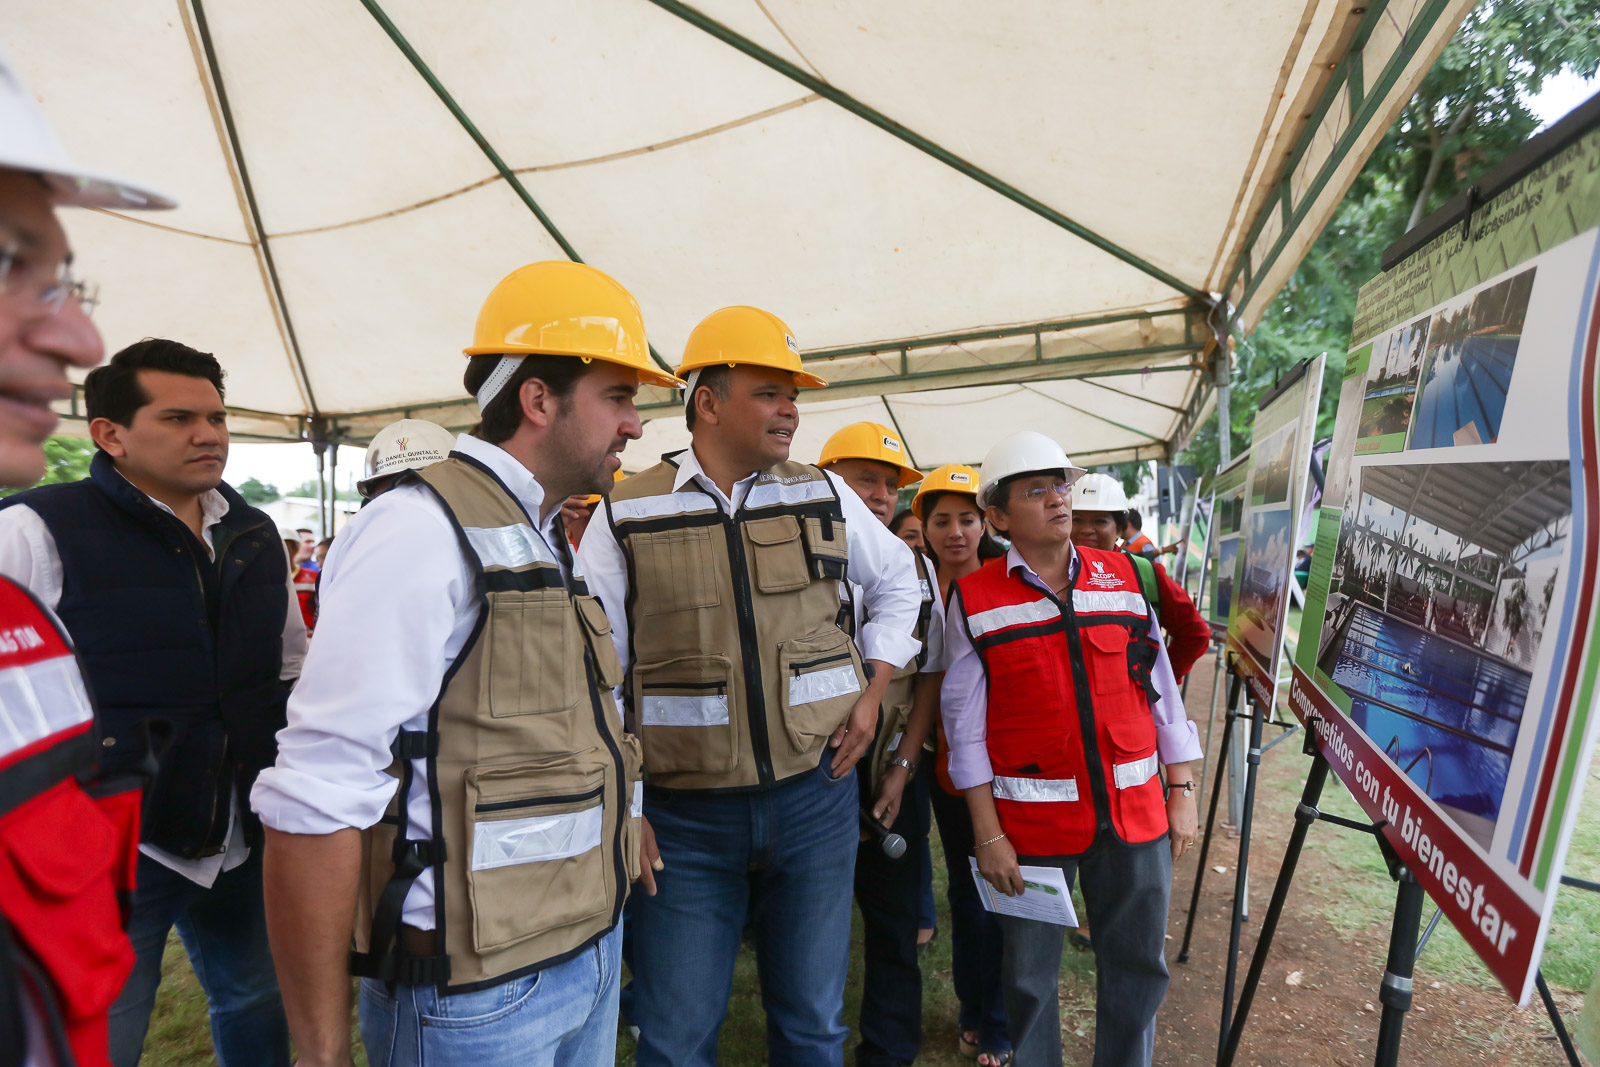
(255, 491)
(1468, 113)
(66, 460)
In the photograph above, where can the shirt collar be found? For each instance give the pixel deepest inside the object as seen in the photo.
(1015, 562)
(213, 505)
(517, 478)
(689, 468)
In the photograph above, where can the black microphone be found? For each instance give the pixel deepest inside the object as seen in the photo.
(893, 845)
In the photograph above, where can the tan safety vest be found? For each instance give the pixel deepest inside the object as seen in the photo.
(534, 786)
(740, 668)
(896, 706)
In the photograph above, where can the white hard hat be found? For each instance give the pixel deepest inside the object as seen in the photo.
(1022, 453)
(1098, 492)
(406, 445)
(30, 145)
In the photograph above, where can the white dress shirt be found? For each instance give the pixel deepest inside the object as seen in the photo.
(933, 662)
(964, 698)
(29, 556)
(397, 606)
(880, 565)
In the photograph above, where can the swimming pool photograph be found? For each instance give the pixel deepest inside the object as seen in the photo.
(1443, 579)
(1471, 352)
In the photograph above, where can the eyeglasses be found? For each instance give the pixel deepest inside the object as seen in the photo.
(1036, 494)
(49, 290)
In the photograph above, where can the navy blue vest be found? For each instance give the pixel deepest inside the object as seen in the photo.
(166, 633)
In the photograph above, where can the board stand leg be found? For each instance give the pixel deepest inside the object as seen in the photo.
(1305, 814)
(1234, 685)
(1242, 868)
(1395, 992)
(1555, 1020)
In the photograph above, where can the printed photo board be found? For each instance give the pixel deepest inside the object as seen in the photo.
(1227, 528)
(1449, 646)
(1273, 503)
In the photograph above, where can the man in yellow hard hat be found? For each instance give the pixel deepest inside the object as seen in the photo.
(724, 562)
(872, 460)
(455, 788)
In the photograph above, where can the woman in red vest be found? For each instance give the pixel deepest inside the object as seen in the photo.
(1060, 708)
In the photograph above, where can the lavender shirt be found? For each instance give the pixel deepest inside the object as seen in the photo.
(964, 698)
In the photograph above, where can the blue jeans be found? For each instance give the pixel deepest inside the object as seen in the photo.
(224, 930)
(784, 857)
(565, 1014)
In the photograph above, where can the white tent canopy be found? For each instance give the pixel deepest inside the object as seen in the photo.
(974, 216)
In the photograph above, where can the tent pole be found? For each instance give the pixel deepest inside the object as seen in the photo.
(1224, 376)
(333, 490)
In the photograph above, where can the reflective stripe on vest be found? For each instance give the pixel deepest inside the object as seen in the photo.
(1035, 790)
(709, 710)
(1064, 704)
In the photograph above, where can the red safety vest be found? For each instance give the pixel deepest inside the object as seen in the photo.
(67, 853)
(1070, 736)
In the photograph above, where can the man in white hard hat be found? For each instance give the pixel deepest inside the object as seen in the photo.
(1099, 511)
(1060, 706)
(63, 954)
(403, 445)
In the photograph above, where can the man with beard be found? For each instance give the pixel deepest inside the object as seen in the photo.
(454, 787)
(752, 702)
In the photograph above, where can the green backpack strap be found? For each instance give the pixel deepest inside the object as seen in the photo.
(1147, 579)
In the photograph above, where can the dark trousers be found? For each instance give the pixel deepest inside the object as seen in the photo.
(889, 894)
(1126, 889)
(975, 941)
(224, 931)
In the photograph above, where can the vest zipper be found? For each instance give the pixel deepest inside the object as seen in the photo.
(536, 802)
(1086, 720)
(810, 663)
(755, 698)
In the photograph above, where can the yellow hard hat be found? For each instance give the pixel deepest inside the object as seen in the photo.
(870, 440)
(745, 335)
(594, 498)
(557, 308)
(950, 478)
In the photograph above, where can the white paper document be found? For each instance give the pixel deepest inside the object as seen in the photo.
(1045, 897)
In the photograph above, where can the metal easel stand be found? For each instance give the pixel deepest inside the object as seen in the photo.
(1258, 720)
(1538, 979)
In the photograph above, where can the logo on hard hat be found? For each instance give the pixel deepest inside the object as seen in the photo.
(960, 476)
(890, 443)
(402, 442)
(793, 345)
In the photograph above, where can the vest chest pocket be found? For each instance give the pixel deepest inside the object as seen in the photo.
(536, 832)
(681, 706)
(675, 570)
(826, 546)
(820, 680)
(1109, 670)
(778, 554)
(597, 632)
(532, 665)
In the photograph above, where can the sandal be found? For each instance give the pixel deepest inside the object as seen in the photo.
(994, 1059)
(968, 1047)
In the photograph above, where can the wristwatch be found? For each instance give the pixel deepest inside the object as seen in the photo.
(901, 761)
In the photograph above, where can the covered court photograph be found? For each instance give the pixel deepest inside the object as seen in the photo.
(1443, 578)
(1471, 351)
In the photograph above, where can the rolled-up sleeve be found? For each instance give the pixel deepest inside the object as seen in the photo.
(1177, 740)
(964, 702)
(394, 596)
(882, 567)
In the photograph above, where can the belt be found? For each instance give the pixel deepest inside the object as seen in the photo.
(415, 941)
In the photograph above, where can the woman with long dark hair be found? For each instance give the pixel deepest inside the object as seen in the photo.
(953, 530)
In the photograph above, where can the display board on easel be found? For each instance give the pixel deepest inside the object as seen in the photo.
(1452, 618)
(1227, 529)
(1268, 531)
